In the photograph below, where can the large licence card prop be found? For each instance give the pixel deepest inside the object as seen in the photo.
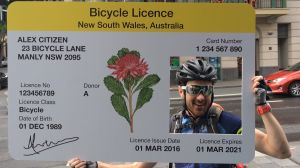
(92, 79)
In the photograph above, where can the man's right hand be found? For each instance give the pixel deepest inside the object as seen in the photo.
(261, 97)
(260, 93)
(77, 163)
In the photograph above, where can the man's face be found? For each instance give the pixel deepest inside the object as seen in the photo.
(196, 102)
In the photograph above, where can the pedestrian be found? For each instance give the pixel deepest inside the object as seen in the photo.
(200, 114)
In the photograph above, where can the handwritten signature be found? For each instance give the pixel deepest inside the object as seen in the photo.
(46, 144)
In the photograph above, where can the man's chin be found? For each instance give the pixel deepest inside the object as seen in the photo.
(199, 109)
(199, 112)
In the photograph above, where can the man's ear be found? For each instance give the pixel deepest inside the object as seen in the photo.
(180, 92)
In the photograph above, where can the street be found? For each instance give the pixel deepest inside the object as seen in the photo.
(285, 108)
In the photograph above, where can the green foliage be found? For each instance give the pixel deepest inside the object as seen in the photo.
(128, 82)
(112, 60)
(114, 85)
(149, 81)
(120, 107)
(122, 52)
(144, 96)
(135, 53)
(137, 80)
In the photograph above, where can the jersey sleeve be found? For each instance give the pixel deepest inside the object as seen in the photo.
(230, 122)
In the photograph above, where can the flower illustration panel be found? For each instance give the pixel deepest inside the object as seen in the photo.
(130, 77)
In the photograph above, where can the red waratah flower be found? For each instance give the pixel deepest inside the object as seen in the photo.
(131, 65)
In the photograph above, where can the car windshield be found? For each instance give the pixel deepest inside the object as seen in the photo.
(295, 67)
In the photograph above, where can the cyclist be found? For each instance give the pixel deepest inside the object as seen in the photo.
(200, 115)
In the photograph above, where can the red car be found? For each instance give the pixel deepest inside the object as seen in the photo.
(286, 81)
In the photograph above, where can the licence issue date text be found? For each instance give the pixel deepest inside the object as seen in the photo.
(157, 148)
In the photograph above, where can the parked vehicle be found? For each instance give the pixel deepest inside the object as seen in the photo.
(286, 81)
(3, 80)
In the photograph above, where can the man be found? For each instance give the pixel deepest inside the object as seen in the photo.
(196, 79)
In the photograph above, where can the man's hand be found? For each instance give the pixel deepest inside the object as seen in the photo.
(77, 163)
(260, 93)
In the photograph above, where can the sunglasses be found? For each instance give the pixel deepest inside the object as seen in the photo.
(197, 89)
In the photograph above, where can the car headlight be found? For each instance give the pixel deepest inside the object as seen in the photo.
(277, 80)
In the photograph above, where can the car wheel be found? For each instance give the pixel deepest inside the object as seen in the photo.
(294, 88)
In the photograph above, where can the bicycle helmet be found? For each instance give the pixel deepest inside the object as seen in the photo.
(196, 70)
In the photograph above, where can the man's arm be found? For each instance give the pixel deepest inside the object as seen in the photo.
(274, 141)
(77, 163)
(132, 165)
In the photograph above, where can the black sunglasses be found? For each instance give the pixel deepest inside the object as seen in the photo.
(197, 89)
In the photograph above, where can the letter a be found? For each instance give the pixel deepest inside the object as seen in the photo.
(85, 93)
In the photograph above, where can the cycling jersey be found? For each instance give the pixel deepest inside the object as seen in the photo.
(216, 122)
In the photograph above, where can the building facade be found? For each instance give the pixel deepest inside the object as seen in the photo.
(278, 37)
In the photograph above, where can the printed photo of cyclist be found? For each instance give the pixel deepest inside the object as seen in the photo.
(199, 113)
